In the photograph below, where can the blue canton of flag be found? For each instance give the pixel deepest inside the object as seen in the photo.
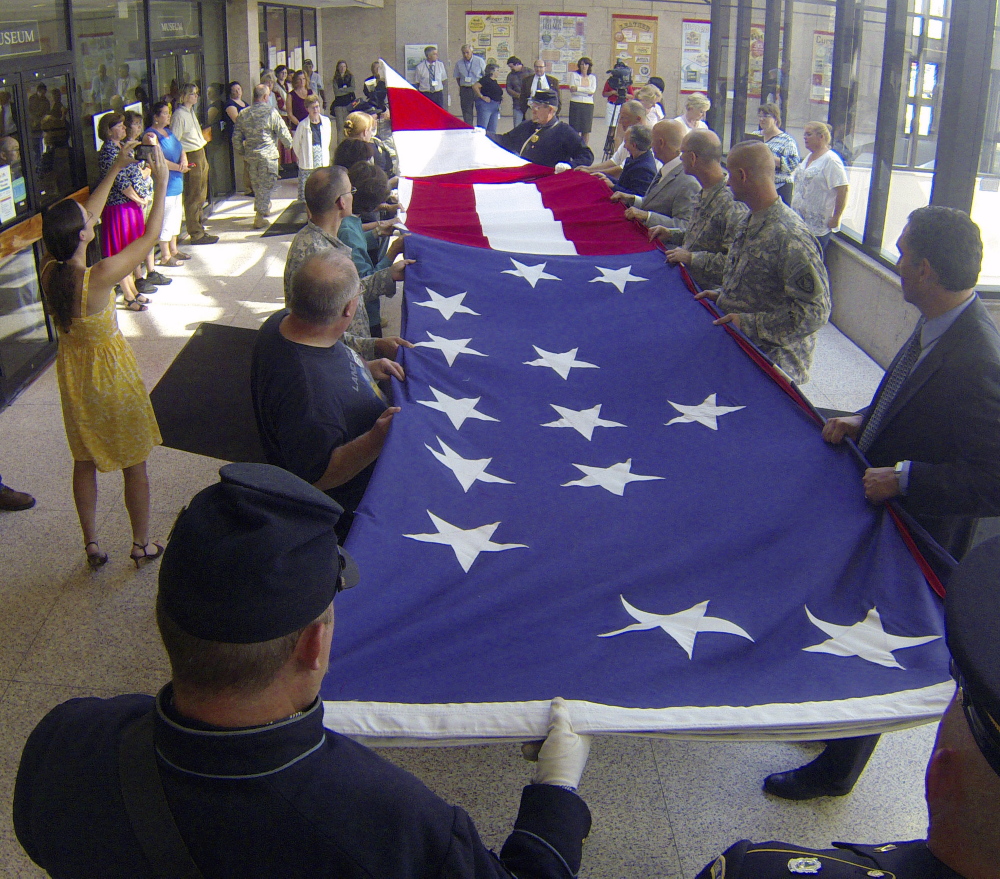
(592, 492)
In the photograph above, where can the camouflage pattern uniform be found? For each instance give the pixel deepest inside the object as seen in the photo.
(710, 233)
(255, 137)
(311, 239)
(776, 282)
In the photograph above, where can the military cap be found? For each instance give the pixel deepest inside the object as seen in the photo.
(253, 557)
(972, 620)
(545, 96)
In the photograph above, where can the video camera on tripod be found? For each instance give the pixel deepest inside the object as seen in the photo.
(619, 79)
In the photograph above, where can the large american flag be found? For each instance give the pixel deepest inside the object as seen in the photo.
(593, 492)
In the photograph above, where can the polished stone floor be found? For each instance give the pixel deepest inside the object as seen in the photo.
(661, 808)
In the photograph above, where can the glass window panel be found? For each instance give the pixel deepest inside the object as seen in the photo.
(917, 27)
(23, 330)
(859, 138)
(986, 198)
(924, 120)
(908, 119)
(219, 150)
(937, 8)
(111, 72)
(173, 20)
(293, 21)
(918, 6)
(33, 27)
(935, 29)
(912, 89)
(50, 135)
(276, 33)
(930, 81)
(13, 188)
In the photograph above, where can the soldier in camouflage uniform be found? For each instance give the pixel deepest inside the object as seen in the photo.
(328, 194)
(705, 243)
(963, 775)
(255, 137)
(775, 287)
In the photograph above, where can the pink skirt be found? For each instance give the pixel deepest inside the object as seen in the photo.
(121, 224)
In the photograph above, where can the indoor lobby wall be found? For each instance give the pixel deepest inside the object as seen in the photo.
(357, 36)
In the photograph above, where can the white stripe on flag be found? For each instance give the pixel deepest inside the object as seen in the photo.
(514, 219)
(426, 153)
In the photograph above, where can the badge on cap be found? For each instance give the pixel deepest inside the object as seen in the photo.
(875, 874)
(886, 848)
(805, 865)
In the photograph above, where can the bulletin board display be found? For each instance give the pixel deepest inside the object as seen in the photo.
(491, 35)
(822, 67)
(633, 40)
(562, 41)
(695, 36)
(413, 54)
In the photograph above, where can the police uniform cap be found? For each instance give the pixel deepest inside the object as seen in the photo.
(972, 620)
(253, 557)
(545, 96)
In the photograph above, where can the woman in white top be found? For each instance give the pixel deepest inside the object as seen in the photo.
(311, 141)
(694, 112)
(582, 86)
(820, 192)
(649, 96)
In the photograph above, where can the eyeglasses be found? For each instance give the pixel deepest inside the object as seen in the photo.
(351, 191)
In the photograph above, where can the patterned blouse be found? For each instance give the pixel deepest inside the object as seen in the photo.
(130, 176)
(784, 147)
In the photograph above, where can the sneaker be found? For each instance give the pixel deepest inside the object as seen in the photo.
(144, 285)
(159, 279)
(14, 500)
(259, 222)
(204, 239)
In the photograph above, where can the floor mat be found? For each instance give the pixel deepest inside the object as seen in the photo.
(289, 221)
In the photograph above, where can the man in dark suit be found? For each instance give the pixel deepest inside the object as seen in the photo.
(931, 433)
(963, 773)
(537, 80)
(545, 140)
(640, 167)
(673, 195)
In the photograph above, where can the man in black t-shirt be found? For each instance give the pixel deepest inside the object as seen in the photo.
(319, 409)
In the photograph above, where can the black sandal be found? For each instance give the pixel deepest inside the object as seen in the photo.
(97, 559)
(136, 304)
(145, 556)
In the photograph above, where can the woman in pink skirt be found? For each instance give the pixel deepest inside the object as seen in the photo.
(122, 221)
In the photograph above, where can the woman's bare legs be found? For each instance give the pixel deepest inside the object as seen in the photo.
(85, 497)
(137, 502)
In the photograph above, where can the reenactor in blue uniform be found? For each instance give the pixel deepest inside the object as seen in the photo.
(546, 140)
(963, 775)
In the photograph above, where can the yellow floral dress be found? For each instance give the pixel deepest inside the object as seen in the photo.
(109, 419)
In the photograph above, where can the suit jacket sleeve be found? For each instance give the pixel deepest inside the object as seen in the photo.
(682, 207)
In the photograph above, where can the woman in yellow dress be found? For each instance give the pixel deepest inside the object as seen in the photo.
(109, 419)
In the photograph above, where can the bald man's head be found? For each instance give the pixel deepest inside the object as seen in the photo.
(751, 174)
(324, 187)
(704, 144)
(323, 287)
(667, 138)
(631, 113)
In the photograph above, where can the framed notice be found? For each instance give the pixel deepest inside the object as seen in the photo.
(413, 54)
(755, 77)
(694, 55)
(822, 67)
(633, 40)
(491, 34)
(562, 41)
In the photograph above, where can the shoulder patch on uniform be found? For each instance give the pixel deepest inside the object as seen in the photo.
(718, 869)
(806, 282)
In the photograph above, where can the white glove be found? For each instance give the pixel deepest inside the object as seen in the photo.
(562, 166)
(564, 753)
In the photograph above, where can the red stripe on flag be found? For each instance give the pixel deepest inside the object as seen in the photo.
(446, 211)
(595, 226)
(412, 111)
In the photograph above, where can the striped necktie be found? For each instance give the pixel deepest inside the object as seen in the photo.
(887, 394)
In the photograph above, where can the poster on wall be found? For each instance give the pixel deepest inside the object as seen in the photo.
(413, 54)
(755, 76)
(822, 67)
(633, 40)
(562, 41)
(694, 55)
(491, 34)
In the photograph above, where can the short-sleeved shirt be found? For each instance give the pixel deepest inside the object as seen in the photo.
(172, 151)
(490, 88)
(815, 195)
(468, 72)
(309, 401)
(130, 175)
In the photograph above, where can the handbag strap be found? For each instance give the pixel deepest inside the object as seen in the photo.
(146, 803)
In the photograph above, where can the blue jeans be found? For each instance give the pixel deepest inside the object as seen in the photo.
(487, 115)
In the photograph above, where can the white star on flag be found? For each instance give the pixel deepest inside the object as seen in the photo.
(706, 413)
(456, 408)
(618, 277)
(451, 348)
(531, 274)
(466, 543)
(683, 627)
(867, 639)
(467, 470)
(583, 420)
(447, 305)
(613, 478)
(561, 363)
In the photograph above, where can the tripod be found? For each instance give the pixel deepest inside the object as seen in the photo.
(609, 141)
